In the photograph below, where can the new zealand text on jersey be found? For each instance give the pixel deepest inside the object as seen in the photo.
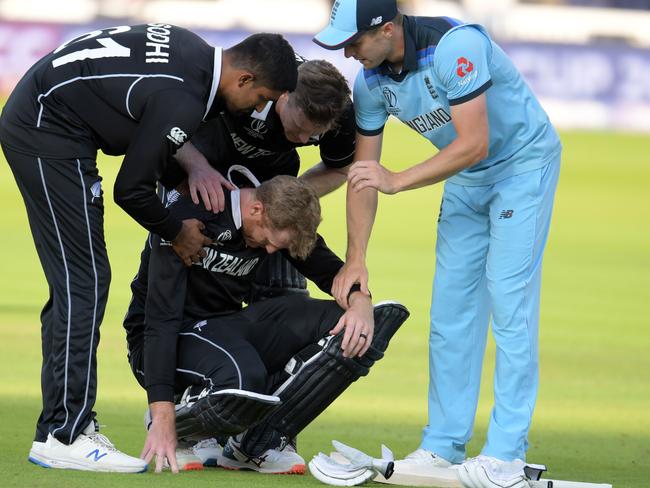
(247, 149)
(158, 37)
(218, 262)
(430, 121)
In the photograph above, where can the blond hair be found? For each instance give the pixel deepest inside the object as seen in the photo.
(291, 204)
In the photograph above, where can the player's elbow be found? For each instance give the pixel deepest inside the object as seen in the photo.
(476, 150)
(124, 195)
(481, 150)
(120, 195)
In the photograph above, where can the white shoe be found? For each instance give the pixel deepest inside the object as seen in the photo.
(489, 472)
(186, 459)
(208, 451)
(90, 451)
(420, 463)
(273, 461)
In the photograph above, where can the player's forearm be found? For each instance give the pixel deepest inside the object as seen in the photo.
(324, 180)
(451, 160)
(360, 301)
(190, 158)
(165, 300)
(361, 206)
(320, 266)
(138, 199)
(361, 211)
(470, 146)
(162, 410)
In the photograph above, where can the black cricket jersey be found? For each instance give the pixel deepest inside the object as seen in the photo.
(257, 141)
(141, 91)
(218, 285)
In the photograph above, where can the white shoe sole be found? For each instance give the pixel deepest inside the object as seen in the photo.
(47, 462)
(233, 465)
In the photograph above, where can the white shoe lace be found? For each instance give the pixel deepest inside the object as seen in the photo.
(102, 441)
(206, 443)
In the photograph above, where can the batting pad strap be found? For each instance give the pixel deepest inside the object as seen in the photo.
(222, 413)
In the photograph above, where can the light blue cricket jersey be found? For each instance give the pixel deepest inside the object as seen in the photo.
(448, 63)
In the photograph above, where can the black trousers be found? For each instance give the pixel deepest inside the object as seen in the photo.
(247, 349)
(66, 217)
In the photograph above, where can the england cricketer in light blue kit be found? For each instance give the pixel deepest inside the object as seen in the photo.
(500, 155)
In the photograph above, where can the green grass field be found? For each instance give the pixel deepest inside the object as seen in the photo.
(591, 421)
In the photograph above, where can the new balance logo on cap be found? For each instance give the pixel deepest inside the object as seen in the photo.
(351, 18)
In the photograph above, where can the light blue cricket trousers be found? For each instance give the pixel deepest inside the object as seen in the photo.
(488, 263)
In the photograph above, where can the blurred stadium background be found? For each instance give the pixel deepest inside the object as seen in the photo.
(588, 61)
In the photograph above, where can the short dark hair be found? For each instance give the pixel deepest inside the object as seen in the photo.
(270, 58)
(322, 92)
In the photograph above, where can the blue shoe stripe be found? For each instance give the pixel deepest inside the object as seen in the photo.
(36, 461)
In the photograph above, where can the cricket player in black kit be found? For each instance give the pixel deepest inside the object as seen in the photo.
(318, 112)
(196, 333)
(139, 91)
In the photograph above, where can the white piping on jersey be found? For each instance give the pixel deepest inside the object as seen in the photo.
(196, 373)
(220, 348)
(96, 77)
(67, 286)
(341, 159)
(128, 94)
(234, 196)
(244, 171)
(264, 113)
(216, 77)
(92, 333)
(236, 208)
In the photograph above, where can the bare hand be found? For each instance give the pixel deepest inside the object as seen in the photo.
(207, 182)
(353, 271)
(189, 242)
(359, 324)
(371, 174)
(161, 438)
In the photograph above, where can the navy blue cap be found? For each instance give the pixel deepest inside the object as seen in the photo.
(351, 18)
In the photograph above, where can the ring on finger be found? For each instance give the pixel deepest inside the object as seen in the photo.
(363, 335)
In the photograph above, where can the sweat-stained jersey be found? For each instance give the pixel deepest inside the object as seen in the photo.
(218, 285)
(447, 63)
(141, 91)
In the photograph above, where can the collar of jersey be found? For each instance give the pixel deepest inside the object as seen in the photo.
(236, 208)
(410, 52)
(216, 77)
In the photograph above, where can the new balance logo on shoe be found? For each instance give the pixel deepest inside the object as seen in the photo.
(506, 214)
(96, 455)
